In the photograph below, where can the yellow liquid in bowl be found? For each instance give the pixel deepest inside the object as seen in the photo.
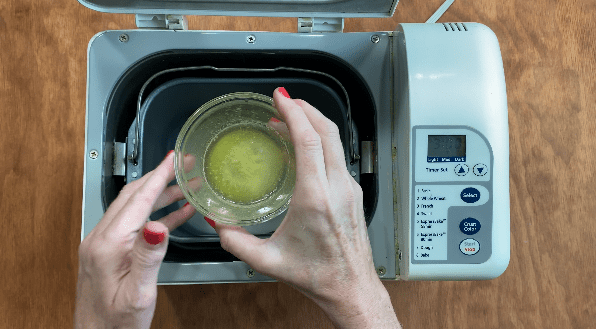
(244, 164)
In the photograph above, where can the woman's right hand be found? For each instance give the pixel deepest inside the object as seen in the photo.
(322, 245)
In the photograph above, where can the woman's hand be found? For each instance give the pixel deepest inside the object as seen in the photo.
(322, 245)
(120, 259)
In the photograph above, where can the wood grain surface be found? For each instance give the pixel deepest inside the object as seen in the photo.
(548, 50)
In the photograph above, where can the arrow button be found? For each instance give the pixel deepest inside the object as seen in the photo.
(480, 169)
(461, 170)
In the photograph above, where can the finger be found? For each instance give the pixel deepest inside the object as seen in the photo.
(139, 206)
(283, 131)
(310, 164)
(358, 198)
(280, 127)
(120, 201)
(173, 193)
(148, 252)
(242, 244)
(169, 196)
(195, 184)
(178, 217)
(134, 185)
(127, 191)
(360, 216)
(333, 150)
(189, 162)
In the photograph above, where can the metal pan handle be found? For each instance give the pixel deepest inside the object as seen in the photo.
(135, 149)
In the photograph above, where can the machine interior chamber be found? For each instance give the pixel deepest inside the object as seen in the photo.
(330, 92)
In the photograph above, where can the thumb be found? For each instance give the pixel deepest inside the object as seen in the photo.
(148, 253)
(242, 244)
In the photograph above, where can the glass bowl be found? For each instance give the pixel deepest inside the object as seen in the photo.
(232, 164)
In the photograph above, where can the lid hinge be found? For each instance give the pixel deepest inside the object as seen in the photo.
(320, 24)
(119, 163)
(367, 159)
(161, 21)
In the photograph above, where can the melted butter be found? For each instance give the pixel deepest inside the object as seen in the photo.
(244, 164)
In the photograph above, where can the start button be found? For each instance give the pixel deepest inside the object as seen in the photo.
(469, 247)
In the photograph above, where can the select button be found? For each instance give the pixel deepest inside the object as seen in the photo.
(469, 226)
(470, 195)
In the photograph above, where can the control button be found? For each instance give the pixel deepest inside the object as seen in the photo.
(469, 247)
(469, 226)
(480, 169)
(470, 195)
(461, 170)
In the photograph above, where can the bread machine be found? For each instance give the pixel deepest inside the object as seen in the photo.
(422, 112)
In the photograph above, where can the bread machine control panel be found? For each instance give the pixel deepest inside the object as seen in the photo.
(452, 207)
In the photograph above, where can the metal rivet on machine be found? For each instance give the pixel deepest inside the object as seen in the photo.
(375, 38)
(134, 174)
(353, 173)
(381, 271)
(93, 154)
(250, 273)
(123, 37)
(251, 39)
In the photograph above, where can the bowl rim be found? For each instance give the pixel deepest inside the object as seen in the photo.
(179, 157)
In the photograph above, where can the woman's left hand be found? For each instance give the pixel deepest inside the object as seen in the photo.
(120, 259)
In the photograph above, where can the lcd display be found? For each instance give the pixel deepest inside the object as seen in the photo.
(446, 148)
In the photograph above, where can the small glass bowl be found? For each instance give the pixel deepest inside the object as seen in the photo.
(205, 127)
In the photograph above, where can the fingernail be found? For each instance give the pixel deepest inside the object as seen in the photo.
(168, 154)
(186, 204)
(210, 222)
(153, 238)
(284, 92)
(274, 119)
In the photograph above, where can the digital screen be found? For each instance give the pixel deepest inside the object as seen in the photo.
(446, 148)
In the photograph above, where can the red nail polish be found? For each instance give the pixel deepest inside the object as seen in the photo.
(210, 222)
(284, 92)
(153, 237)
(274, 119)
(186, 204)
(168, 154)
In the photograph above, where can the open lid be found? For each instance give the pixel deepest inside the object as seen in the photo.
(270, 8)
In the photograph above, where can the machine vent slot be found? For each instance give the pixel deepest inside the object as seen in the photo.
(455, 27)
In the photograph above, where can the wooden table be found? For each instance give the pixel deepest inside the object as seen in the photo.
(548, 49)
